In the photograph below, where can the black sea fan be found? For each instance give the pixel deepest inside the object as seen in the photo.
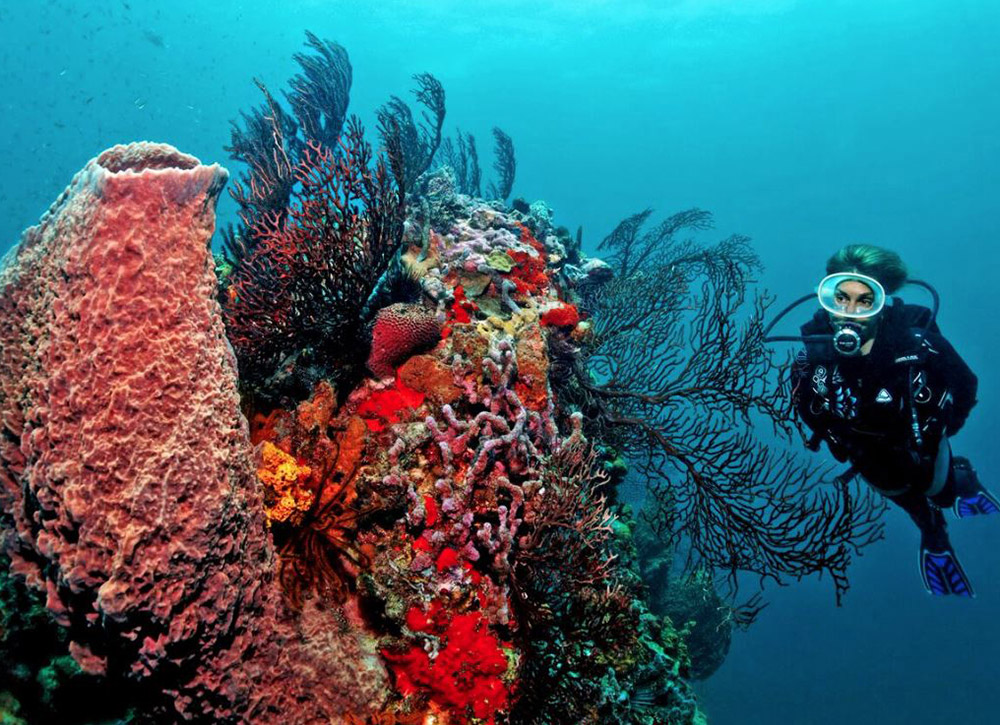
(272, 140)
(676, 375)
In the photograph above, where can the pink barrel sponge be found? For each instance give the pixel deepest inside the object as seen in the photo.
(127, 487)
(401, 330)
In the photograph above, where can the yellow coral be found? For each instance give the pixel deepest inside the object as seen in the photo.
(512, 326)
(284, 480)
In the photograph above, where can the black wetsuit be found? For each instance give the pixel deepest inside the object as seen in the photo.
(886, 412)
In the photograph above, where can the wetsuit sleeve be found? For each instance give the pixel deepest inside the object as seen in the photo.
(962, 382)
(802, 391)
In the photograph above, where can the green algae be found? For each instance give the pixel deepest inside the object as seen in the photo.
(500, 261)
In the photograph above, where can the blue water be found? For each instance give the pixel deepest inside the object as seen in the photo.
(804, 124)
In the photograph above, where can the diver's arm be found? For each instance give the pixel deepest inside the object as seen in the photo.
(962, 382)
(802, 395)
(801, 390)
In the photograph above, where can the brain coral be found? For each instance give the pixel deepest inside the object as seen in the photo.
(401, 330)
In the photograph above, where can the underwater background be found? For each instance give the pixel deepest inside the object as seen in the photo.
(806, 125)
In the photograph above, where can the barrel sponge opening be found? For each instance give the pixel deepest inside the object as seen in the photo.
(143, 155)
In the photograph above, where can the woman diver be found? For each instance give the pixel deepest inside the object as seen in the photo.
(881, 385)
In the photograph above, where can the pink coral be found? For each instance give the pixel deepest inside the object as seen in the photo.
(400, 331)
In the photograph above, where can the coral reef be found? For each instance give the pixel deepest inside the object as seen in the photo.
(364, 467)
(409, 551)
(483, 546)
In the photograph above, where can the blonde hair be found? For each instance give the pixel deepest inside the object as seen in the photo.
(883, 264)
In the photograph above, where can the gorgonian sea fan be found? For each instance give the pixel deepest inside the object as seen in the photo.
(310, 271)
(677, 377)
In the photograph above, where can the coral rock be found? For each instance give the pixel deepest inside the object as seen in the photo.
(466, 341)
(533, 368)
(432, 377)
(315, 413)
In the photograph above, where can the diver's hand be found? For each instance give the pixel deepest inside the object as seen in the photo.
(954, 424)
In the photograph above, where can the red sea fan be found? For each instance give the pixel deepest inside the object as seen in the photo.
(310, 271)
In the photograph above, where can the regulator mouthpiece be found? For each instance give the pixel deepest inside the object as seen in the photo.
(847, 340)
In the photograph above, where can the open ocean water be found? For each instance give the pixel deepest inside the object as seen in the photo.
(806, 124)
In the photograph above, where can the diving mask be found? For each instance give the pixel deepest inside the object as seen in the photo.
(834, 300)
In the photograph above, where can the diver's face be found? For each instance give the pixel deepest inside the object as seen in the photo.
(854, 297)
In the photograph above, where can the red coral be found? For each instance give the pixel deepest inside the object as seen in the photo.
(384, 407)
(431, 510)
(447, 559)
(561, 316)
(466, 675)
(400, 331)
(528, 238)
(528, 273)
(463, 308)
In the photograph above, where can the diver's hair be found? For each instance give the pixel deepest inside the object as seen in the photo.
(883, 264)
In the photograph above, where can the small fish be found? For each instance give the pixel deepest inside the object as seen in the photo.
(62, 72)
(154, 38)
(139, 103)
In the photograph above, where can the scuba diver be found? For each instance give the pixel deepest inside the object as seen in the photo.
(880, 384)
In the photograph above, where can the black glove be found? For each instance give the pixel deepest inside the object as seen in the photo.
(954, 424)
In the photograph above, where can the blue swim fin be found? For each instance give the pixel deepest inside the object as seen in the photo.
(943, 574)
(972, 498)
(978, 504)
